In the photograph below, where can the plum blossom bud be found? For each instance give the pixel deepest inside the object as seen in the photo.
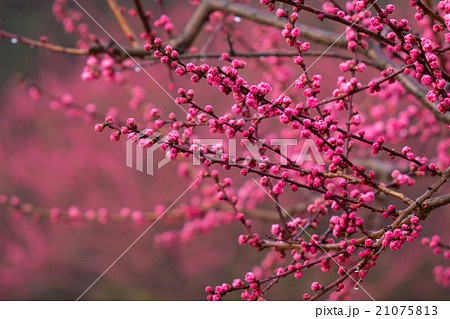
(315, 286)
(99, 127)
(414, 220)
(115, 136)
(131, 123)
(281, 13)
(250, 277)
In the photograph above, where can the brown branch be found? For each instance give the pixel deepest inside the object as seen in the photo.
(44, 45)
(113, 51)
(123, 23)
(191, 29)
(430, 12)
(419, 204)
(280, 245)
(182, 42)
(143, 16)
(423, 205)
(431, 204)
(141, 53)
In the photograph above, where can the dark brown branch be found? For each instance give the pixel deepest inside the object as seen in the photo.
(430, 12)
(143, 16)
(431, 204)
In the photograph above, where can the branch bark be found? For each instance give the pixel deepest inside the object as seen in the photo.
(143, 16)
(431, 204)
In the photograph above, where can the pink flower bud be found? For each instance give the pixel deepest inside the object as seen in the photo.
(315, 286)
(250, 277)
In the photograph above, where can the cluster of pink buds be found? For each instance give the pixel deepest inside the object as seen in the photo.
(91, 71)
(346, 224)
(442, 275)
(395, 239)
(164, 21)
(437, 246)
(250, 286)
(402, 179)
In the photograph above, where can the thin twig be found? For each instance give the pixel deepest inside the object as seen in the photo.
(123, 23)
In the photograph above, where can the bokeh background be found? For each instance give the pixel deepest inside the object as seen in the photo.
(51, 160)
